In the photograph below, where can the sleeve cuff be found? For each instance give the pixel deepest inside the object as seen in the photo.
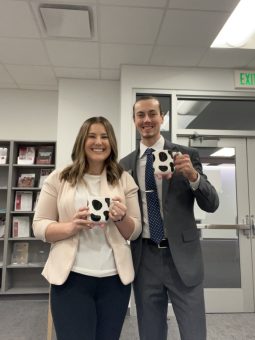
(195, 185)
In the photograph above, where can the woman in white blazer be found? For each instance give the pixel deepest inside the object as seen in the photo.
(90, 265)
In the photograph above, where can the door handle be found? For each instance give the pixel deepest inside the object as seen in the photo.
(245, 228)
(224, 226)
(252, 225)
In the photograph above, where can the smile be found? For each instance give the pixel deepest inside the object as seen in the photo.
(97, 150)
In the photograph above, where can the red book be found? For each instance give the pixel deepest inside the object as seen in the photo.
(18, 201)
(26, 155)
(23, 200)
(20, 226)
(15, 229)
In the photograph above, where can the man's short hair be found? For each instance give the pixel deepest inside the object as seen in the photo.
(148, 98)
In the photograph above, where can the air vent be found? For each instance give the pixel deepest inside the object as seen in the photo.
(70, 21)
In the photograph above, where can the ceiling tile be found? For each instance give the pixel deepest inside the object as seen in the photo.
(5, 77)
(176, 55)
(73, 53)
(190, 28)
(80, 73)
(113, 74)
(8, 86)
(212, 5)
(129, 25)
(125, 32)
(229, 58)
(41, 75)
(112, 56)
(137, 3)
(23, 52)
(16, 20)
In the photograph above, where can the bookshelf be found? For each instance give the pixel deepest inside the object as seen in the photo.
(24, 277)
(4, 193)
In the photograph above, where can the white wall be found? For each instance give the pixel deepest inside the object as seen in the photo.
(80, 100)
(28, 115)
(37, 115)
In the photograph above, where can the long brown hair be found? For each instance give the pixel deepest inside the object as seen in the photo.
(75, 172)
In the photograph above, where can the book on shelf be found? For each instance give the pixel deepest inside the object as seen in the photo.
(26, 180)
(26, 155)
(20, 226)
(39, 257)
(20, 253)
(44, 154)
(2, 227)
(23, 201)
(3, 155)
(44, 173)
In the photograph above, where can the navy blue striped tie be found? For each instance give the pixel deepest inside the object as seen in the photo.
(153, 206)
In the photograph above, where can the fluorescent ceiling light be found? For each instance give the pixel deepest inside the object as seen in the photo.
(224, 152)
(239, 29)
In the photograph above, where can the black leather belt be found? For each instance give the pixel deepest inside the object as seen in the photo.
(163, 244)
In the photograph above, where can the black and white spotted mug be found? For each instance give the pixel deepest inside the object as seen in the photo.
(163, 161)
(99, 207)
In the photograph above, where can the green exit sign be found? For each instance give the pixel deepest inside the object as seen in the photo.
(245, 79)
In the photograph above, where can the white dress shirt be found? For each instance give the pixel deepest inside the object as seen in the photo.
(159, 145)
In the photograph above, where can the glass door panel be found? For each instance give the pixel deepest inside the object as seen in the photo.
(251, 177)
(225, 234)
(221, 246)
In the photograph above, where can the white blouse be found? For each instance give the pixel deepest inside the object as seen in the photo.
(94, 255)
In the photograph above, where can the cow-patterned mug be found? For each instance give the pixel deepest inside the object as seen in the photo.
(163, 161)
(99, 207)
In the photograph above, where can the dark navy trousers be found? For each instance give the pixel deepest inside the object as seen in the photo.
(89, 308)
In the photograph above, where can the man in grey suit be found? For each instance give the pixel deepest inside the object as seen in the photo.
(172, 268)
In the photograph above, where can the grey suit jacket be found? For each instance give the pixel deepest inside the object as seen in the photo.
(178, 203)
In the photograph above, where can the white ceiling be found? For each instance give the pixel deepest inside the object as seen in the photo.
(134, 32)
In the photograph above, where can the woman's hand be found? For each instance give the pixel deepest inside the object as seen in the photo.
(58, 231)
(80, 220)
(118, 209)
(118, 214)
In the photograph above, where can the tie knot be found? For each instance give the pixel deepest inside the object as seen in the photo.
(148, 151)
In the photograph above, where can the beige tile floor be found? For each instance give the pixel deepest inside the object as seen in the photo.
(27, 320)
(219, 327)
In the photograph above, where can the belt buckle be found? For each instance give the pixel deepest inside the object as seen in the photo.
(162, 247)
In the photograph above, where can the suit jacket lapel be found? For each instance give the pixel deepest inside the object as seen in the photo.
(134, 164)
